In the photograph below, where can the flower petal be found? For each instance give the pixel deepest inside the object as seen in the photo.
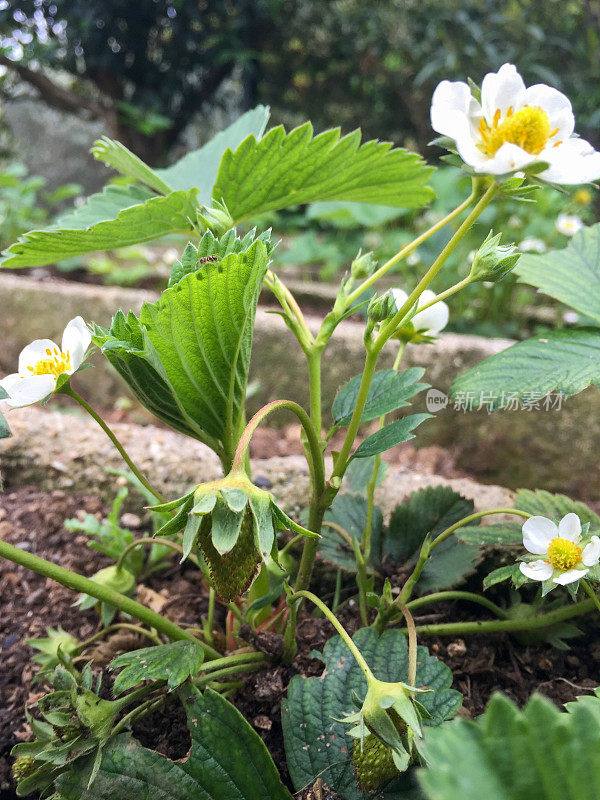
(536, 570)
(452, 103)
(76, 339)
(575, 161)
(570, 576)
(591, 552)
(570, 527)
(35, 352)
(500, 90)
(508, 158)
(556, 105)
(434, 318)
(400, 297)
(28, 390)
(538, 532)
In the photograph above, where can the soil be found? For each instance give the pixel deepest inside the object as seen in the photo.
(34, 521)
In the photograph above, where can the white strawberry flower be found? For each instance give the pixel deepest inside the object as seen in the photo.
(565, 560)
(513, 127)
(430, 321)
(568, 224)
(42, 362)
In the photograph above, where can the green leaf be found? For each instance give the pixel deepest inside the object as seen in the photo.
(103, 206)
(388, 437)
(428, 512)
(187, 357)
(116, 155)
(389, 391)
(199, 168)
(502, 533)
(509, 572)
(317, 746)
(287, 169)
(554, 506)
(147, 220)
(173, 663)
(228, 761)
(506, 753)
(360, 472)
(4, 429)
(350, 512)
(570, 275)
(564, 361)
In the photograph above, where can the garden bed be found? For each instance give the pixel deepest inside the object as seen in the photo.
(34, 520)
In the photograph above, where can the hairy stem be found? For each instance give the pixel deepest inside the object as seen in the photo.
(70, 392)
(103, 593)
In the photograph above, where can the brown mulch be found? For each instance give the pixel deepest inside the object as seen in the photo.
(34, 521)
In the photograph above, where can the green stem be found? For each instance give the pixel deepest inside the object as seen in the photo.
(508, 625)
(226, 671)
(314, 382)
(70, 392)
(428, 547)
(153, 540)
(314, 445)
(471, 597)
(390, 327)
(337, 625)
(100, 592)
(447, 293)
(233, 660)
(116, 627)
(295, 318)
(412, 246)
(210, 619)
(591, 593)
(412, 645)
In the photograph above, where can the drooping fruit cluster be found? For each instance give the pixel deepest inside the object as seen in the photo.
(233, 572)
(373, 763)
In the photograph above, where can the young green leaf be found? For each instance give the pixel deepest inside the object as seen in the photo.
(116, 155)
(142, 222)
(199, 168)
(174, 663)
(388, 437)
(188, 355)
(570, 275)
(286, 169)
(509, 572)
(316, 744)
(564, 361)
(227, 761)
(505, 754)
(389, 391)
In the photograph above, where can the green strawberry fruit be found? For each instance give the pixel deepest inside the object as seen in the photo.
(373, 763)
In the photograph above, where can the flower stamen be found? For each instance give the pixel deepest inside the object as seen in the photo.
(529, 128)
(563, 553)
(56, 363)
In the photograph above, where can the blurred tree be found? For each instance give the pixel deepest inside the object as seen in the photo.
(146, 67)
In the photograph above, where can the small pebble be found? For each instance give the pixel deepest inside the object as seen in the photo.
(130, 520)
(457, 649)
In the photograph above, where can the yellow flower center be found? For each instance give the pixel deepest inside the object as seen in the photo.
(529, 128)
(56, 363)
(563, 554)
(582, 197)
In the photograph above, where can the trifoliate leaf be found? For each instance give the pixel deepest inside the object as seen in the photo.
(555, 506)
(287, 169)
(316, 743)
(91, 229)
(173, 663)
(227, 761)
(570, 275)
(562, 361)
(505, 754)
(428, 512)
(503, 533)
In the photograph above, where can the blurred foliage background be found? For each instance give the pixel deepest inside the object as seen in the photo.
(150, 70)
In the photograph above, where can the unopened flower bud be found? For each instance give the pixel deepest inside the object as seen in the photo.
(217, 219)
(493, 260)
(363, 265)
(380, 308)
